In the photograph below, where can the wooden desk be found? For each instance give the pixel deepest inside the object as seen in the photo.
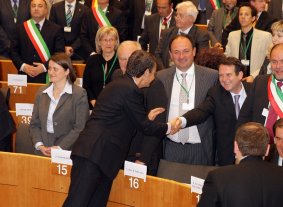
(27, 181)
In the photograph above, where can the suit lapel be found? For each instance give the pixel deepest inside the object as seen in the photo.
(237, 40)
(198, 85)
(44, 105)
(155, 24)
(254, 48)
(168, 84)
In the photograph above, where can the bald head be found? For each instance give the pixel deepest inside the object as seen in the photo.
(124, 51)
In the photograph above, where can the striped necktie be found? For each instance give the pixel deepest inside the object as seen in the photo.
(69, 15)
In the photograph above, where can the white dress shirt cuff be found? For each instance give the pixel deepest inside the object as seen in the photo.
(37, 145)
(184, 121)
(169, 128)
(22, 67)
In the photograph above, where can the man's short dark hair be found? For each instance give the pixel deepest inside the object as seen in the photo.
(233, 61)
(278, 124)
(253, 9)
(252, 139)
(138, 62)
(181, 36)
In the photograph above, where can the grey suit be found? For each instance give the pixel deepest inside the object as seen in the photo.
(205, 78)
(69, 118)
(216, 24)
(199, 37)
(151, 31)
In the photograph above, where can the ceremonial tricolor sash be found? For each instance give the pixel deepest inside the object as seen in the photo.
(215, 4)
(37, 40)
(99, 15)
(275, 96)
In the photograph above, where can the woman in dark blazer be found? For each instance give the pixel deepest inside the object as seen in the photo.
(60, 110)
(100, 67)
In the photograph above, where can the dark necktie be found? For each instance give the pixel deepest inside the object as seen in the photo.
(243, 47)
(69, 15)
(38, 26)
(271, 118)
(15, 8)
(237, 105)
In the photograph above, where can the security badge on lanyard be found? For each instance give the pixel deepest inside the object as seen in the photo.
(185, 105)
(244, 49)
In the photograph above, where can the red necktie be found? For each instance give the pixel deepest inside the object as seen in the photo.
(165, 23)
(272, 118)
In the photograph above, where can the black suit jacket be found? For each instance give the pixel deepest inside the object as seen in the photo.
(255, 102)
(150, 34)
(252, 183)
(23, 50)
(117, 114)
(219, 103)
(263, 23)
(200, 39)
(136, 13)
(7, 25)
(57, 15)
(90, 27)
(7, 124)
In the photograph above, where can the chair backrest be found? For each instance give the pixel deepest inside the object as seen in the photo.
(182, 172)
(6, 94)
(23, 140)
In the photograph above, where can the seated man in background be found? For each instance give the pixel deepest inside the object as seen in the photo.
(186, 15)
(69, 15)
(253, 182)
(220, 18)
(37, 39)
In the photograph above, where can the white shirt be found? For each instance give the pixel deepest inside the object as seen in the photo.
(243, 96)
(52, 107)
(280, 161)
(185, 31)
(193, 133)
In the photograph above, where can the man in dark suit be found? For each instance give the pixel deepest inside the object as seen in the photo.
(205, 10)
(275, 9)
(102, 147)
(90, 25)
(263, 22)
(276, 151)
(253, 182)
(186, 86)
(138, 9)
(156, 23)
(185, 17)
(263, 105)
(24, 54)
(223, 102)
(6, 127)
(69, 15)
(11, 14)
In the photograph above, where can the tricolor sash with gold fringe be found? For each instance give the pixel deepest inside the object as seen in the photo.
(275, 96)
(99, 15)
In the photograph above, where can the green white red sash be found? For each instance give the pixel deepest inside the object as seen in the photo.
(215, 4)
(99, 14)
(37, 40)
(275, 96)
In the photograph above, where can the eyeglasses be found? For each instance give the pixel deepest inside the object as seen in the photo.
(111, 40)
(181, 16)
(276, 62)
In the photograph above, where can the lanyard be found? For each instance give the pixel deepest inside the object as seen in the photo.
(104, 72)
(246, 49)
(187, 91)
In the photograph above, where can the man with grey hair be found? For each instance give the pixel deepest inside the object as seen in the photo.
(185, 18)
(253, 182)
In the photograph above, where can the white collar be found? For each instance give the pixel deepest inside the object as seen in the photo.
(242, 91)
(190, 71)
(73, 4)
(185, 31)
(67, 89)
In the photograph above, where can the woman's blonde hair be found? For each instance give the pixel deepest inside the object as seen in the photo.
(104, 31)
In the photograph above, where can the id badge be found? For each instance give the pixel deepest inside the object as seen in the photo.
(245, 62)
(67, 29)
(15, 20)
(185, 106)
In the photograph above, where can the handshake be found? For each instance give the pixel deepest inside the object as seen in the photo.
(176, 123)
